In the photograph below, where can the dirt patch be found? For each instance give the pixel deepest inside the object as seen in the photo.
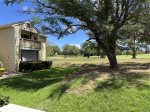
(102, 73)
(82, 89)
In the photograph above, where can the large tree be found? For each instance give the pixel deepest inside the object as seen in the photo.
(145, 23)
(52, 50)
(71, 50)
(130, 38)
(89, 48)
(103, 18)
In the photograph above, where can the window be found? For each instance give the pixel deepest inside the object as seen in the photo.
(35, 38)
(25, 36)
(28, 25)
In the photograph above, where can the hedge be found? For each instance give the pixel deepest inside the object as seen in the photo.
(34, 65)
(4, 100)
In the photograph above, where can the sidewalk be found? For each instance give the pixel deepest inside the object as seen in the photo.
(10, 74)
(16, 108)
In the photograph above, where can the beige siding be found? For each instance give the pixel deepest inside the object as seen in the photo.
(25, 28)
(7, 47)
(10, 52)
(42, 53)
(17, 46)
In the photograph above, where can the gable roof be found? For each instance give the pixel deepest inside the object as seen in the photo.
(19, 23)
(14, 23)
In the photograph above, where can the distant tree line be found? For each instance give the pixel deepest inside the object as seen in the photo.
(90, 48)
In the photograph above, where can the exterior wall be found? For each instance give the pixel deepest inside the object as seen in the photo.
(42, 53)
(17, 46)
(7, 47)
(10, 50)
(24, 27)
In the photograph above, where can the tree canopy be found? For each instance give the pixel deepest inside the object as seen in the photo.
(103, 18)
(52, 50)
(88, 49)
(71, 50)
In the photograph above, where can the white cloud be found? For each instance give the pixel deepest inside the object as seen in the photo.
(28, 9)
(25, 8)
(84, 40)
(77, 45)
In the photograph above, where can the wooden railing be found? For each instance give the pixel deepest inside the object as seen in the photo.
(30, 44)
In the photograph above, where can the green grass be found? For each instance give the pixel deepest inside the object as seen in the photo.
(31, 89)
(60, 60)
(54, 90)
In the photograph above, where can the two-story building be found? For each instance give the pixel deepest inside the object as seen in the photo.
(21, 41)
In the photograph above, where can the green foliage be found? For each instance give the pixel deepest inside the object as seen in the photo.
(103, 16)
(52, 50)
(118, 51)
(2, 70)
(34, 65)
(3, 100)
(89, 48)
(145, 22)
(131, 39)
(71, 50)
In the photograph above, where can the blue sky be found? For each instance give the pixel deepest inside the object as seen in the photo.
(9, 14)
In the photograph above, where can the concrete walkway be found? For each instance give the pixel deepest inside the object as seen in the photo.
(16, 108)
(10, 74)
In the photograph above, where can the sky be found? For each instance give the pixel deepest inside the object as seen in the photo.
(9, 14)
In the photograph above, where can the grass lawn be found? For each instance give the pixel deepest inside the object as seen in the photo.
(84, 86)
(60, 60)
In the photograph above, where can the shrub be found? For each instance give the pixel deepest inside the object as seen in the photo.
(2, 70)
(4, 100)
(34, 65)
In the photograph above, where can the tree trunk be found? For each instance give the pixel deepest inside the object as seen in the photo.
(112, 60)
(134, 54)
(88, 56)
(134, 49)
(102, 55)
(110, 52)
(146, 48)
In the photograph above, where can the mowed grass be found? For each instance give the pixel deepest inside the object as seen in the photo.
(60, 60)
(79, 84)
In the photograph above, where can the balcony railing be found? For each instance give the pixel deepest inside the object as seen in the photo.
(30, 44)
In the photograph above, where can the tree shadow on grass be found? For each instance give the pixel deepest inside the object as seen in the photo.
(36, 80)
(135, 65)
(117, 81)
(123, 77)
(118, 78)
(59, 91)
(127, 75)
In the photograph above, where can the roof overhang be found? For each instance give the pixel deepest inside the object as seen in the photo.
(22, 22)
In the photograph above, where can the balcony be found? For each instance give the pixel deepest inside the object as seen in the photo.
(26, 44)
